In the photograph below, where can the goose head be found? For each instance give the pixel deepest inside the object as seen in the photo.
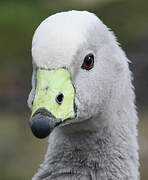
(78, 71)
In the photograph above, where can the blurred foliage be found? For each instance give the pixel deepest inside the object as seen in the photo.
(127, 18)
(20, 152)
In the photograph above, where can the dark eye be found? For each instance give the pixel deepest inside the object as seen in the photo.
(88, 62)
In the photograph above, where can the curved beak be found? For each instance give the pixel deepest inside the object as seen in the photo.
(53, 102)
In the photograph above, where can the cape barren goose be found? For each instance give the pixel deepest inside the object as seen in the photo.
(83, 97)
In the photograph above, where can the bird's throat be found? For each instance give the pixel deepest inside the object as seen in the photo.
(93, 153)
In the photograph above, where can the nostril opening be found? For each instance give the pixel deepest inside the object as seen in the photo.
(59, 98)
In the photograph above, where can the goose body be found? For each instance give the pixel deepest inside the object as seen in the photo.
(99, 140)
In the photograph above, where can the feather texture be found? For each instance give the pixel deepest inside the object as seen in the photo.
(101, 143)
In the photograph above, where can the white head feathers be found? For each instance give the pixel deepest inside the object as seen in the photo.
(60, 36)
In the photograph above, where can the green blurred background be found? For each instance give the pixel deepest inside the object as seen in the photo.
(20, 152)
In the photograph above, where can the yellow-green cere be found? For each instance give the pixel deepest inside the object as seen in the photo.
(48, 85)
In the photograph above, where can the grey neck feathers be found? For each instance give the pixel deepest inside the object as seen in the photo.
(97, 149)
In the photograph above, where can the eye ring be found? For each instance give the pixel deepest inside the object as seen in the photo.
(88, 62)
